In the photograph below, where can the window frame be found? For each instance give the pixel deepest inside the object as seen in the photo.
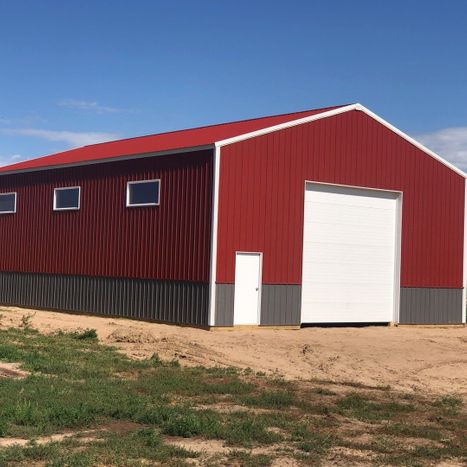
(137, 182)
(63, 188)
(16, 199)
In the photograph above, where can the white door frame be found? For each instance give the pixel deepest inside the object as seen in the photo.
(397, 259)
(260, 281)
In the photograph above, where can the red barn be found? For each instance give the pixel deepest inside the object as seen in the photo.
(322, 216)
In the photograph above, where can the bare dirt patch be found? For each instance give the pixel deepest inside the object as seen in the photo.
(12, 370)
(84, 436)
(429, 360)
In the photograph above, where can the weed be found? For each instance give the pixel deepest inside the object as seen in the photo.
(26, 320)
(245, 459)
(449, 405)
(359, 407)
(270, 399)
(156, 361)
(316, 443)
(323, 391)
(84, 334)
(413, 431)
(245, 429)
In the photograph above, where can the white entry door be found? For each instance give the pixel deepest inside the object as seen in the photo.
(349, 255)
(247, 288)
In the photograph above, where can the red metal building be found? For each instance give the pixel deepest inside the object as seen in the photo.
(328, 215)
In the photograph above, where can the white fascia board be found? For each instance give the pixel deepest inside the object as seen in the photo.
(332, 113)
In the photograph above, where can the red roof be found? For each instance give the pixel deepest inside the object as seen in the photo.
(174, 140)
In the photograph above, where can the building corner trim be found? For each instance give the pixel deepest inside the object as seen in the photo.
(215, 216)
(464, 275)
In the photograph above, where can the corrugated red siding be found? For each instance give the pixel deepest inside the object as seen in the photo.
(262, 194)
(104, 238)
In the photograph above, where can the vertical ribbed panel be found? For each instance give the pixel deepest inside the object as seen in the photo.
(105, 238)
(173, 302)
(281, 305)
(262, 186)
(224, 304)
(430, 306)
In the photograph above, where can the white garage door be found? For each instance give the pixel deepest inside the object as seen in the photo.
(349, 255)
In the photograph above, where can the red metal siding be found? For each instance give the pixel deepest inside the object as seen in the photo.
(261, 197)
(104, 238)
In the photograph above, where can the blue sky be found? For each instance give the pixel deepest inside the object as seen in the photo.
(77, 72)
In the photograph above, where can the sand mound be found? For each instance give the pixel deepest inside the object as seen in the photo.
(131, 336)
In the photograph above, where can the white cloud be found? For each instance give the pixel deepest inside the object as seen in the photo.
(71, 138)
(88, 106)
(449, 143)
(13, 159)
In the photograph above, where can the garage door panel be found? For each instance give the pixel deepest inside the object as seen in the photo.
(354, 276)
(347, 250)
(353, 291)
(358, 313)
(348, 255)
(349, 214)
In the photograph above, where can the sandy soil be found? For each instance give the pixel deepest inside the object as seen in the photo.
(432, 360)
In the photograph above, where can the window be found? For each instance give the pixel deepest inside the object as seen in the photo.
(67, 198)
(143, 193)
(7, 203)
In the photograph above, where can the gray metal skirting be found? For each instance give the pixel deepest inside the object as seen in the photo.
(430, 306)
(169, 301)
(280, 305)
(224, 304)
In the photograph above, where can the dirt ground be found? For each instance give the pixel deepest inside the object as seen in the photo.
(432, 360)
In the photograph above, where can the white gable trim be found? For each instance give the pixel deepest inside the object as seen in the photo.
(332, 113)
(411, 140)
(282, 126)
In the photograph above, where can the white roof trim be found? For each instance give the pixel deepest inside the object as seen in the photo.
(282, 126)
(331, 113)
(411, 140)
(253, 134)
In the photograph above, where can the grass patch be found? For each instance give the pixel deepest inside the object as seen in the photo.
(412, 431)
(85, 334)
(269, 399)
(449, 405)
(245, 459)
(75, 383)
(134, 448)
(358, 406)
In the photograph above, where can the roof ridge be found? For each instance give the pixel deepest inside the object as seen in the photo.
(213, 125)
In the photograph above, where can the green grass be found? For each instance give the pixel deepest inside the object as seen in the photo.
(123, 450)
(449, 405)
(358, 406)
(75, 383)
(269, 400)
